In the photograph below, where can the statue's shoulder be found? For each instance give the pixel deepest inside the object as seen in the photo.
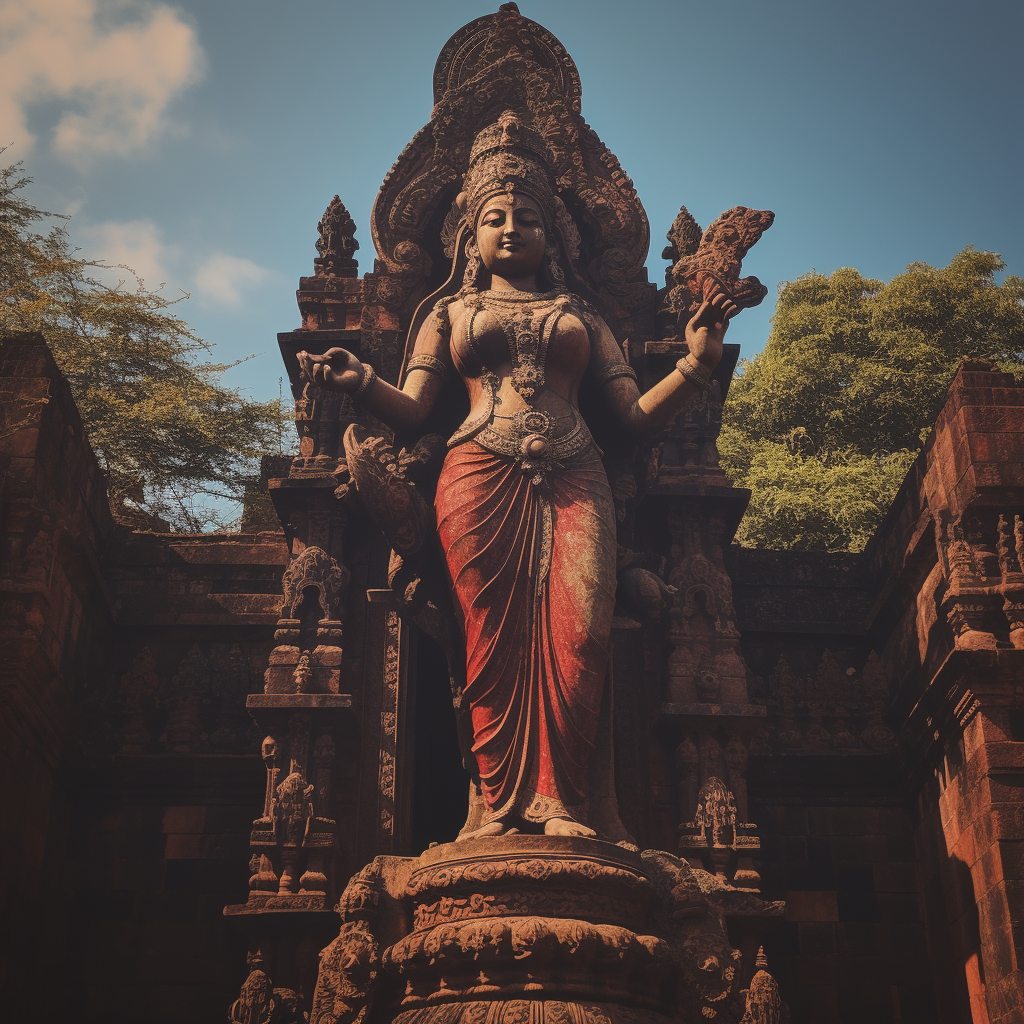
(442, 313)
(467, 297)
(587, 312)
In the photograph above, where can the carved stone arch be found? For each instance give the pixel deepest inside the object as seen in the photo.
(690, 605)
(314, 569)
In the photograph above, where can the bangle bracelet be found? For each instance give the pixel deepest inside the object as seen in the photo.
(693, 376)
(369, 376)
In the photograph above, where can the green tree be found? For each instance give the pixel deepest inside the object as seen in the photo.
(823, 424)
(174, 442)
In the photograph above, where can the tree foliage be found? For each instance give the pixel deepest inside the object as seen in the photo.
(174, 442)
(823, 424)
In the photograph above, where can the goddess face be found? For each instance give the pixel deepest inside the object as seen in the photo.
(510, 235)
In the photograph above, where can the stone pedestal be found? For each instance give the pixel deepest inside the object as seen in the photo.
(537, 928)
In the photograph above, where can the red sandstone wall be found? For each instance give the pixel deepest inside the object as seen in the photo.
(132, 775)
(53, 608)
(129, 766)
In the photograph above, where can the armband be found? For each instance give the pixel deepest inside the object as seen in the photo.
(442, 317)
(429, 363)
(612, 372)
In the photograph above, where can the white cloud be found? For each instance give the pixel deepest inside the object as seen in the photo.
(218, 280)
(222, 280)
(113, 80)
(136, 244)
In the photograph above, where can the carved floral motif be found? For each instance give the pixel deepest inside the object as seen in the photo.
(480, 946)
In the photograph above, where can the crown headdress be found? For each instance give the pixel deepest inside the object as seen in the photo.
(507, 157)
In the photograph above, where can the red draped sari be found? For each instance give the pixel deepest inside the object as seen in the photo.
(532, 563)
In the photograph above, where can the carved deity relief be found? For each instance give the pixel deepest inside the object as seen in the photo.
(833, 707)
(546, 240)
(716, 812)
(292, 808)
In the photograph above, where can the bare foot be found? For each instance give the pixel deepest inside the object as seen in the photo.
(499, 827)
(566, 827)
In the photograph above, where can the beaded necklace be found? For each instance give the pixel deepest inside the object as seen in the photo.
(527, 337)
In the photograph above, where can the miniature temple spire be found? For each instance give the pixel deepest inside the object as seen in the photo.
(337, 242)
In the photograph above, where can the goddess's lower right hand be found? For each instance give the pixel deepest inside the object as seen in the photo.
(336, 370)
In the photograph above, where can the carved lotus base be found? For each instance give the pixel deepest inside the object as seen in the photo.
(534, 928)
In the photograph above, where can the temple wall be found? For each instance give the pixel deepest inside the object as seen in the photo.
(854, 945)
(885, 779)
(55, 610)
(126, 756)
(168, 794)
(900, 864)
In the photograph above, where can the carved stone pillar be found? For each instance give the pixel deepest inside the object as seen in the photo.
(687, 764)
(327, 642)
(736, 759)
(706, 709)
(1010, 548)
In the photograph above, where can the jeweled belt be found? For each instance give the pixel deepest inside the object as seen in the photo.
(529, 441)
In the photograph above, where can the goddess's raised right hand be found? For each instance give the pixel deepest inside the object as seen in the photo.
(336, 370)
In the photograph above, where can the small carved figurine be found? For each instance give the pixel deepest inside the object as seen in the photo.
(336, 243)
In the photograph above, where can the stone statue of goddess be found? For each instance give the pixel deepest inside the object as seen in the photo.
(524, 509)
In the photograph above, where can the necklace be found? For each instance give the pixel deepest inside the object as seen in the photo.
(516, 312)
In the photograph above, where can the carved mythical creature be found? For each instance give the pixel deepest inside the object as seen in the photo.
(714, 264)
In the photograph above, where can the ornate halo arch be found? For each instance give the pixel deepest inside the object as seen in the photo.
(496, 63)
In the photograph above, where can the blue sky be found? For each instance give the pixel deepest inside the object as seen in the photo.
(201, 141)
